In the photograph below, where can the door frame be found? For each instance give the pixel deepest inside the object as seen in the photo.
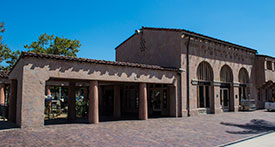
(222, 102)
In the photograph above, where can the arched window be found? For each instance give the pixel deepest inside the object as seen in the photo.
(226, 77)
(243, 76)
(243, 89)
(205, 76)
(205, 72)
(226, 74)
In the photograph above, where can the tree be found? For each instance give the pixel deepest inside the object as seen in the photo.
(5, 51)
(49, 44)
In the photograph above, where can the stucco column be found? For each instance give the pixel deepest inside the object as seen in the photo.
(172, 101)
(71, 101)
(217, 100)
(116, 101)
(236, 98)
(231, 100)
(143, 110)
(93, 117)
(2, 94)
(12, 101)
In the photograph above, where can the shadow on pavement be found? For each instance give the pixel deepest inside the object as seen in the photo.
(255, 126)
(7, 125)
(60, 121)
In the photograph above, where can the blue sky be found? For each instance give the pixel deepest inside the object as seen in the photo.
(102, 25)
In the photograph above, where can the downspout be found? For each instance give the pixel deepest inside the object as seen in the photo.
(187, 76)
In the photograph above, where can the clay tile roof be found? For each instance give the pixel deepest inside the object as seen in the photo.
(4, 74)
(115, 63)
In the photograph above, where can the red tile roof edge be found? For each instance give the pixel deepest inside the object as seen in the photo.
(115, 63)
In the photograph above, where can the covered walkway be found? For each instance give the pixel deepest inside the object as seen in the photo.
(34, 73)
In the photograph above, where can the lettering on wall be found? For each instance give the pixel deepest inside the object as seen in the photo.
(206, 48)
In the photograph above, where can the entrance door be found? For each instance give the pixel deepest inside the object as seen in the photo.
(225, 99)
(106, 103)
(157, 100)
(204, 96)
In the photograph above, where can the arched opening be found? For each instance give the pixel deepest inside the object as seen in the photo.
(205, 77)
(226, 90)
(243, 89)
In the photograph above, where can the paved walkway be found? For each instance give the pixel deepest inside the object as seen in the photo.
(205, 130)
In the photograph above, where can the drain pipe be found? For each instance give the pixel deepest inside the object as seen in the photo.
(187, 77)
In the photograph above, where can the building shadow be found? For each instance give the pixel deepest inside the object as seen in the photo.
(7, 125)
(255, 126)
(60, 121)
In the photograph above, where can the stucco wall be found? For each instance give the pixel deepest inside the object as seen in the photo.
(270, 74)
(152, 47)
(260, 72)
(217, 56)
(17, 75)
(36, 71)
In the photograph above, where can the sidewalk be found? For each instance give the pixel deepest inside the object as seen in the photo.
(267, 140)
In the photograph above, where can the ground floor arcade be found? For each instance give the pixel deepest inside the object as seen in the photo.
(111, 90)
(70, 99)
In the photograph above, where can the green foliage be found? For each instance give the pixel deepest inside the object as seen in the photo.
(5, 52)
(81, 107)
(49, 44)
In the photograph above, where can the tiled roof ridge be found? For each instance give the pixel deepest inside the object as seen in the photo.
(116, 63)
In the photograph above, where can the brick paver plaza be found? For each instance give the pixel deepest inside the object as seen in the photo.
(204, 130)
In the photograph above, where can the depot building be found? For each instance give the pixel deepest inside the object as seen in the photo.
(158, 72)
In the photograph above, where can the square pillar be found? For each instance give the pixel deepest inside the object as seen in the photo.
(93, 117)
(172, 97)
(117, 101)
(12, 101)
(236, 98)
(217, 100)
(2, 94)
(71, 102)
(143, 110)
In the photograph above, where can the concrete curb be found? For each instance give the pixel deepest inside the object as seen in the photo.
(245, 139)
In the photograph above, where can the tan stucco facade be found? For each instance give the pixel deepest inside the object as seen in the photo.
(168, 47)
(177, 58)
(32, 74)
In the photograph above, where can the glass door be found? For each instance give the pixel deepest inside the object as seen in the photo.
(157, 100)
(224, 100)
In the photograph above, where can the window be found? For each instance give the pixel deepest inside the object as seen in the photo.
(269, 65)
(226, 74)
(204, 74)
